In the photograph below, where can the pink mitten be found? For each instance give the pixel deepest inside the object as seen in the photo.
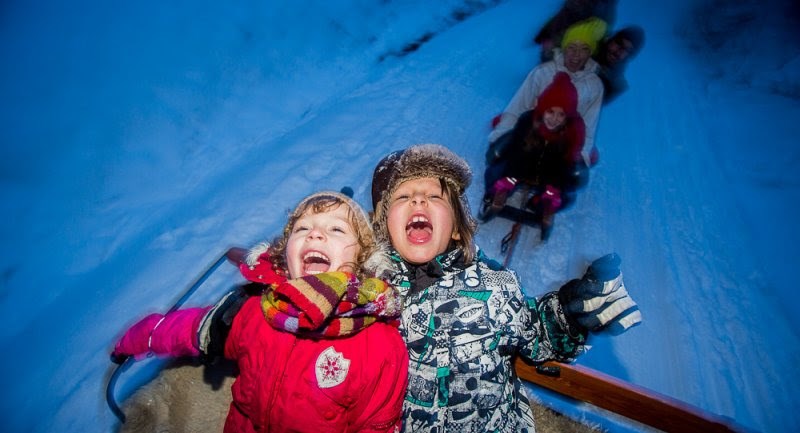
(551, 199)
(504, 185)
(176, 335)
(172, 335)
(136, 341)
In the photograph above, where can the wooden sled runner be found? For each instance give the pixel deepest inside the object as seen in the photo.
(626, 399)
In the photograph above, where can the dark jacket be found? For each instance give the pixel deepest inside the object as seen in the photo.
(539, 157)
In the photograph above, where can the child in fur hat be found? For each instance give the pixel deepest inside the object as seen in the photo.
(574, 59)
(463, 315)
(543, 151)
(313, 335)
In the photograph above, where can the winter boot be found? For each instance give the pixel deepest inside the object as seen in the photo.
(494, 201)
(485, 211)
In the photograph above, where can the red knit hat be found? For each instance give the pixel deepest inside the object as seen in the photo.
(560, 93)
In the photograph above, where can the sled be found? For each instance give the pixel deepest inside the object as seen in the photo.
(623, 398)
(514, 210)
(578, 382)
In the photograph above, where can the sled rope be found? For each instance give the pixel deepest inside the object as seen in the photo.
(510, 239)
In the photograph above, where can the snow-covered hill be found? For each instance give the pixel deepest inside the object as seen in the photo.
(141, 140)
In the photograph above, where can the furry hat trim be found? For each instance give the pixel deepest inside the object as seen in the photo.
(415, 162)
(358, 211)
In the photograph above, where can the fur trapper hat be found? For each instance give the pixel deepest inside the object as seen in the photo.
(589, 31)
(415, 162)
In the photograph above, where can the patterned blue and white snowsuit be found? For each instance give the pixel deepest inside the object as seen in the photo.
(462, 324)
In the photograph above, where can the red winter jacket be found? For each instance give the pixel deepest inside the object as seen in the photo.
(291, 384)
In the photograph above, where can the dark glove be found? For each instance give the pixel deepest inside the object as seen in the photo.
(599, 299)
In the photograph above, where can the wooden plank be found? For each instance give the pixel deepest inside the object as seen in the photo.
(624, 398)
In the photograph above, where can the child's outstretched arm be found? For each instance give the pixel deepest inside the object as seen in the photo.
(556, 336)
(173, 334)
(596, 302)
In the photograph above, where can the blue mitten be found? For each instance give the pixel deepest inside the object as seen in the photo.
(599, 299)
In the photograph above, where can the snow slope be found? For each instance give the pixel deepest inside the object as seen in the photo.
(139, 141)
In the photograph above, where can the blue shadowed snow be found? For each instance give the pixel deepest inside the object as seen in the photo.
(141, 140)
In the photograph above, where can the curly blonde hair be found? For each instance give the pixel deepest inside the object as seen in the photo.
(324, 202)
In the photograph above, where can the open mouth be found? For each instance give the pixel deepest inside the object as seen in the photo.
(419, 229)
(314, 262)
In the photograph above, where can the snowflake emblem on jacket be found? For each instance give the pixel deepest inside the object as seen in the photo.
(331, 368)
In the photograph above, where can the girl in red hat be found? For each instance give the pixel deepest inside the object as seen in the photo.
(544, 152)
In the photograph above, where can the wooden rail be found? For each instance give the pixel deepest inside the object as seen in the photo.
(626, 399)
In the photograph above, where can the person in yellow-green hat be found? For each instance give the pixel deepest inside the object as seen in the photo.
(571, 12)
(574, 57)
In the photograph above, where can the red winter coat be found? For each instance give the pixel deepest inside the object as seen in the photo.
(291, 384)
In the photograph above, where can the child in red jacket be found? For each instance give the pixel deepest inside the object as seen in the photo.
(544, 152)
(316, 349)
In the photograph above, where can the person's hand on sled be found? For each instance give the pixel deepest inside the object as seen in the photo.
(504, 185)
(173, 334)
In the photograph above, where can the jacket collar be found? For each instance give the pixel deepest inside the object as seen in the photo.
(413, 278)
(591, 66)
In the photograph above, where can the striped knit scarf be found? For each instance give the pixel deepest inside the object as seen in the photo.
(331, 304)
